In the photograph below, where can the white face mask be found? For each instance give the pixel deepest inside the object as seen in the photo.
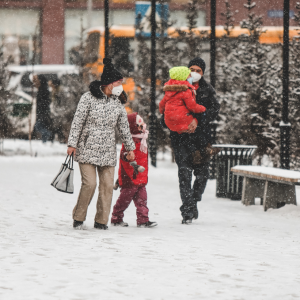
(196, 76)
(117, 90)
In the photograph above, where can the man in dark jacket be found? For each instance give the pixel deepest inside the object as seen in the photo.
(43, 119)
(186, 144)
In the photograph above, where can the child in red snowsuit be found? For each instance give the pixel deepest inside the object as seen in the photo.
(179, 101)
(133, 177)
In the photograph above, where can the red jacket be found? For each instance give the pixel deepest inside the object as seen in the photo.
(126, 175)
(178, 104)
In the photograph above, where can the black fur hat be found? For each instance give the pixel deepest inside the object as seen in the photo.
(197, 61)
(110, 74)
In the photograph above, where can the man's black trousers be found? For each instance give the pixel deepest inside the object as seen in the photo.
(190, 195)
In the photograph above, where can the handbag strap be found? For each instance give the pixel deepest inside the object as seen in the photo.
(69, 162)
(66, 159)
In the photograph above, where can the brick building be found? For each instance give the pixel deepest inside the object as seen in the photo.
(54, 25)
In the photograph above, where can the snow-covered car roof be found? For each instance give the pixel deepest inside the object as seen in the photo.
(44, 69)
(24, 96)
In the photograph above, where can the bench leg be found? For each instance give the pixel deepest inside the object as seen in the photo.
(252, 188)
(277, 193)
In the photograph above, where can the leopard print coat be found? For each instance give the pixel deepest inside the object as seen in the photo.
(93, 129)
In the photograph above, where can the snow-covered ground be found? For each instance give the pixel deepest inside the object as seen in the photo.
(22, 147)
(231, 252)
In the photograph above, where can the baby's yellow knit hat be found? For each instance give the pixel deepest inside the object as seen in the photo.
(179, 73)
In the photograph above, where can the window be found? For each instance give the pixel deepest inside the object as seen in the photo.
(180, 18)
(20, 33)
(75, 19)
(92, 48)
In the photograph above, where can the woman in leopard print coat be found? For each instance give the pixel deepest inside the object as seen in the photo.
(93, 128)
(92, 140)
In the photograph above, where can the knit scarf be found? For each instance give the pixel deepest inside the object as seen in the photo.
(144, 137)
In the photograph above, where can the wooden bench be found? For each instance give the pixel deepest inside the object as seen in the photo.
(275, 187)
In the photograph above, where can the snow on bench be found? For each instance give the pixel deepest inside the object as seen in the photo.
(234, 146)
(275, 186)
(270, 173)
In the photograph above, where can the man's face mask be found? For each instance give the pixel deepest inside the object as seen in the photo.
(195, 76)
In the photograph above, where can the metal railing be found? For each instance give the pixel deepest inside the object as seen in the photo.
(228, 184)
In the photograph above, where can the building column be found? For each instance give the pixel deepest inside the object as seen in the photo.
(53, 29)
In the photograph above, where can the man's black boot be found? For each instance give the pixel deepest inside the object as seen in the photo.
(195, 213)
(187, 220)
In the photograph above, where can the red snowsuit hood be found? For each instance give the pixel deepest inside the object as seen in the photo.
(178, 105)
(126, 175)
(132, 123)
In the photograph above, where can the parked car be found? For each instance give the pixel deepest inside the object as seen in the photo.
(19, 79)
(20, 84)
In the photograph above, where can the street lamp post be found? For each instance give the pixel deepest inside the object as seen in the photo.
(213, 43)
(106, 35)
(153, 119)
(89, 13)
(285, 126)
(213, 9)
